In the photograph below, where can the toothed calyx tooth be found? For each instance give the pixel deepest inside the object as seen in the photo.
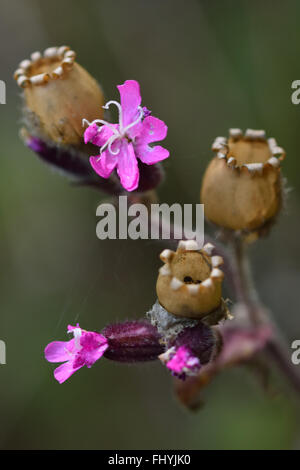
(277, 150)
(272, 142)
(165, 270)
(62, 50)
(58, 72)
(207, 283)
(234, 133)
(220, 140)
(253, 167)
(218, 145)
(216, 261)
(255, 134)
(166, 254)
(217, 273)
(193, 288)
(71, 54)
(188, 245)
(40, 79)
(23, 81)
(274, 162)
(176, 283)
(25, 64)
(35, 56)
(221, 155)
(51, 52)
(208, 248)
(18, 73)
(231, 161)
(68, 62)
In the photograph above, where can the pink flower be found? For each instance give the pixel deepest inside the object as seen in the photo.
(181, 361)
(123, 143)
(83, 350)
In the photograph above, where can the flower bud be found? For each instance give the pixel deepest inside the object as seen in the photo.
(132, 341)
(58, 93)
(190, 282)
(241, 188)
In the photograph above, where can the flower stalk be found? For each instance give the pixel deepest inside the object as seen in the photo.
(258, 315)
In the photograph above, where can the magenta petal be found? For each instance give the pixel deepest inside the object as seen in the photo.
(91, 340)
(98, 135)
(64, 372)
(59, 351)
(151, 155)
(90, 133)
(130, 100)
(104, 165)
(153, 130)
(128, 170)
(88, 358)
(183, 361)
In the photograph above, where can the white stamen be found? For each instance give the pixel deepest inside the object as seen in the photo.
(107, 105)
(118, 133)
(77, 332)
(108, 145)
(101, 121)
(117, 151)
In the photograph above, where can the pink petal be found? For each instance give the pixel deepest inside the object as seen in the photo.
(89, 357)
(130, 100)
(98, 135)
(128, 170)
(59, 351)
(151, 155)
(183, 361)
(64, 372)
(91, 340)
(90, 133)
(105, 165)
(153, 130)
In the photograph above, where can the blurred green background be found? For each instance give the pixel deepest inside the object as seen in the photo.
(203, 66)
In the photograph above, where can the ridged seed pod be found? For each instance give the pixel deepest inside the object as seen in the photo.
(190, 282)
(58, 94)
(242, 188)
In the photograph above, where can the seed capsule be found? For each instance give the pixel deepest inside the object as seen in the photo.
(242, 188)
(190, 282)
(58, 94)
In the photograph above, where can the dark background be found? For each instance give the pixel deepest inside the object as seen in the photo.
(203, 66)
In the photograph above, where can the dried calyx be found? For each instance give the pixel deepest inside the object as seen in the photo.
(242, 188)
(190, 282)
(58, 92)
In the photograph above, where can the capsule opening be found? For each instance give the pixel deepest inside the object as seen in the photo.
(246, 151)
